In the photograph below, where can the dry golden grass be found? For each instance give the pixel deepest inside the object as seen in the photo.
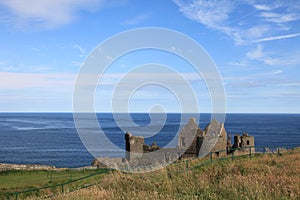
(263, 177)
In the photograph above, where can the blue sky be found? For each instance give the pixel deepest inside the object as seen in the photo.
(254, 44)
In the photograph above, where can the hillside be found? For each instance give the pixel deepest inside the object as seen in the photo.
(261, 177)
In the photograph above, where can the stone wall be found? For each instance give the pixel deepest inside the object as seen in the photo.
(134, 146)
(243, 142)
(221, 145)
(194, 141)
(191, 138)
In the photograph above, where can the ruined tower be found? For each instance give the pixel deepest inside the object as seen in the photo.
(243, 142)
(134, 146)
(191, 138)
(216, 137)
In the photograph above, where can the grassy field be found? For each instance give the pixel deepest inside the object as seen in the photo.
(268, 176)
(17, 180)
(261, 177)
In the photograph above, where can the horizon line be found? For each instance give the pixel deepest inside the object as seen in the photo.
(69, 112)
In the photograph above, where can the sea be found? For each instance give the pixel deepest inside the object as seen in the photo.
(52, 138)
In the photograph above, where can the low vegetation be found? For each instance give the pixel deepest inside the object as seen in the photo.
(20, 180)
(269, 176)
(261, 177)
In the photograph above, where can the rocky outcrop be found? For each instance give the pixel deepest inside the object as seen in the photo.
(4, 167)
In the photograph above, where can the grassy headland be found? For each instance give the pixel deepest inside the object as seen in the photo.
(20, 180)
(261, 177)
(269, 176)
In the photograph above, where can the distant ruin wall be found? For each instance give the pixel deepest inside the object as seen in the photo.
(134, 146)
(193, 140)
(243, 142)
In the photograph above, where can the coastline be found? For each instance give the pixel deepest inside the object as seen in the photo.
(32, 167)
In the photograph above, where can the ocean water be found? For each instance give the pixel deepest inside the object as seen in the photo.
(52, 139)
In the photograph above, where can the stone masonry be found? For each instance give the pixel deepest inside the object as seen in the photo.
(195, 141)
(192, 143)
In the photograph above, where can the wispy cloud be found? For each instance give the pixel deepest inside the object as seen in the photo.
(28, 68)
(81, 49)
(259, 54)
(255, 76)
(279, 37)
(280, 18)
(264, 7)
(46, 14)
(260, 21)
(35, 49)
(275, 58)
(249, 23)
(289, 84)
(137, 19)
(209, 13)
(279, 71)
(241, 63)
(17, 81)
(256, 53)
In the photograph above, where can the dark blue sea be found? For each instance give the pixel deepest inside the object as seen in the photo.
(52, 139)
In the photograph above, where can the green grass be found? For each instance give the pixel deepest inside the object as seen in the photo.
(19, 180)
(269, 176)
(260, 177)
(16, 180)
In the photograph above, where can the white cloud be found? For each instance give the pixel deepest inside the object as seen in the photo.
(277, 37)
(263, 7)
(35, 49)
(280, 18)
(76, 63)
(17, 81)
(81, 49)
(241, 63)
(262, 20)
(289, 58)
(255, 31)
(247, 23)
(259, 54)
(255, 76)
(210, 13)
(290, 84)
(270, 61)
(137, 19)
(275, 72)
(28, 68)
(47, 13)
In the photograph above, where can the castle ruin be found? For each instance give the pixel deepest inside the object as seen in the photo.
(195, 143)
(192, 143)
